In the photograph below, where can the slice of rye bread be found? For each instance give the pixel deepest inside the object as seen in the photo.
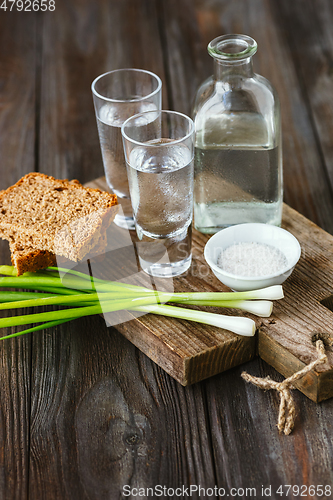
(41, 214)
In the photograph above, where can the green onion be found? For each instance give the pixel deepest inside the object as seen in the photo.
(84, 295)
(261, 308)
(35, 328)
(242, 326)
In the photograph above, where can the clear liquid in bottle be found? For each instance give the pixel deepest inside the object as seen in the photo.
(238, 158)
(237, 182)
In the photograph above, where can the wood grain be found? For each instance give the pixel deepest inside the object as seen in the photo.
(188, 351)
(18, 56)
(243, 423)
(18, 53)
(98, 426)
(247, 449)
(103, 40)
(286, 339)
(312, 22)
(188, 32)
(102, 413)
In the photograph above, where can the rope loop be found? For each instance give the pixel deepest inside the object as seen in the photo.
(287, 411)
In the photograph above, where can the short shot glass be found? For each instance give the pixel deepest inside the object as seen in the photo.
(159, 150)
(118, 95)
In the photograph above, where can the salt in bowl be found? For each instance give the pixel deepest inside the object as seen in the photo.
(266, 234)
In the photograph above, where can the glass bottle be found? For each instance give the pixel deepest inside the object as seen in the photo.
(238, 156)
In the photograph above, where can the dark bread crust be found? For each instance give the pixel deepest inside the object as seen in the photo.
(72, 184)
(31, 260)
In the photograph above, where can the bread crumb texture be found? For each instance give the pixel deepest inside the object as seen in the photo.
(41, 213)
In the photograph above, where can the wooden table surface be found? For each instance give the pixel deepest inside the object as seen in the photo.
(82, 411)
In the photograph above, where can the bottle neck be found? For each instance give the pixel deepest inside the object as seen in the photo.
(226, 71)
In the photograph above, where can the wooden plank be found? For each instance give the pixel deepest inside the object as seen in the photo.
(188, 351)
(285, 339)
(106, 417)
(18, 56)
(311, 22)
(107, 36)
(17, 105)
(243, 423)
(182, 28)
(74, 376)
(185, 56)
(247, 448)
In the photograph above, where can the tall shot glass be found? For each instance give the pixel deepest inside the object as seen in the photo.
(118, 95)
(159, 150)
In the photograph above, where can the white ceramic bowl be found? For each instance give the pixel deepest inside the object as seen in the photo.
(256, 233)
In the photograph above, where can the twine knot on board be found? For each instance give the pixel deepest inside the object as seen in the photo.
(287, 409)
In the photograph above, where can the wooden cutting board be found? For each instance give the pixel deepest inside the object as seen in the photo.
(191, 352)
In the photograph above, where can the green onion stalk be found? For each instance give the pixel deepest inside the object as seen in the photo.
(83, 295)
